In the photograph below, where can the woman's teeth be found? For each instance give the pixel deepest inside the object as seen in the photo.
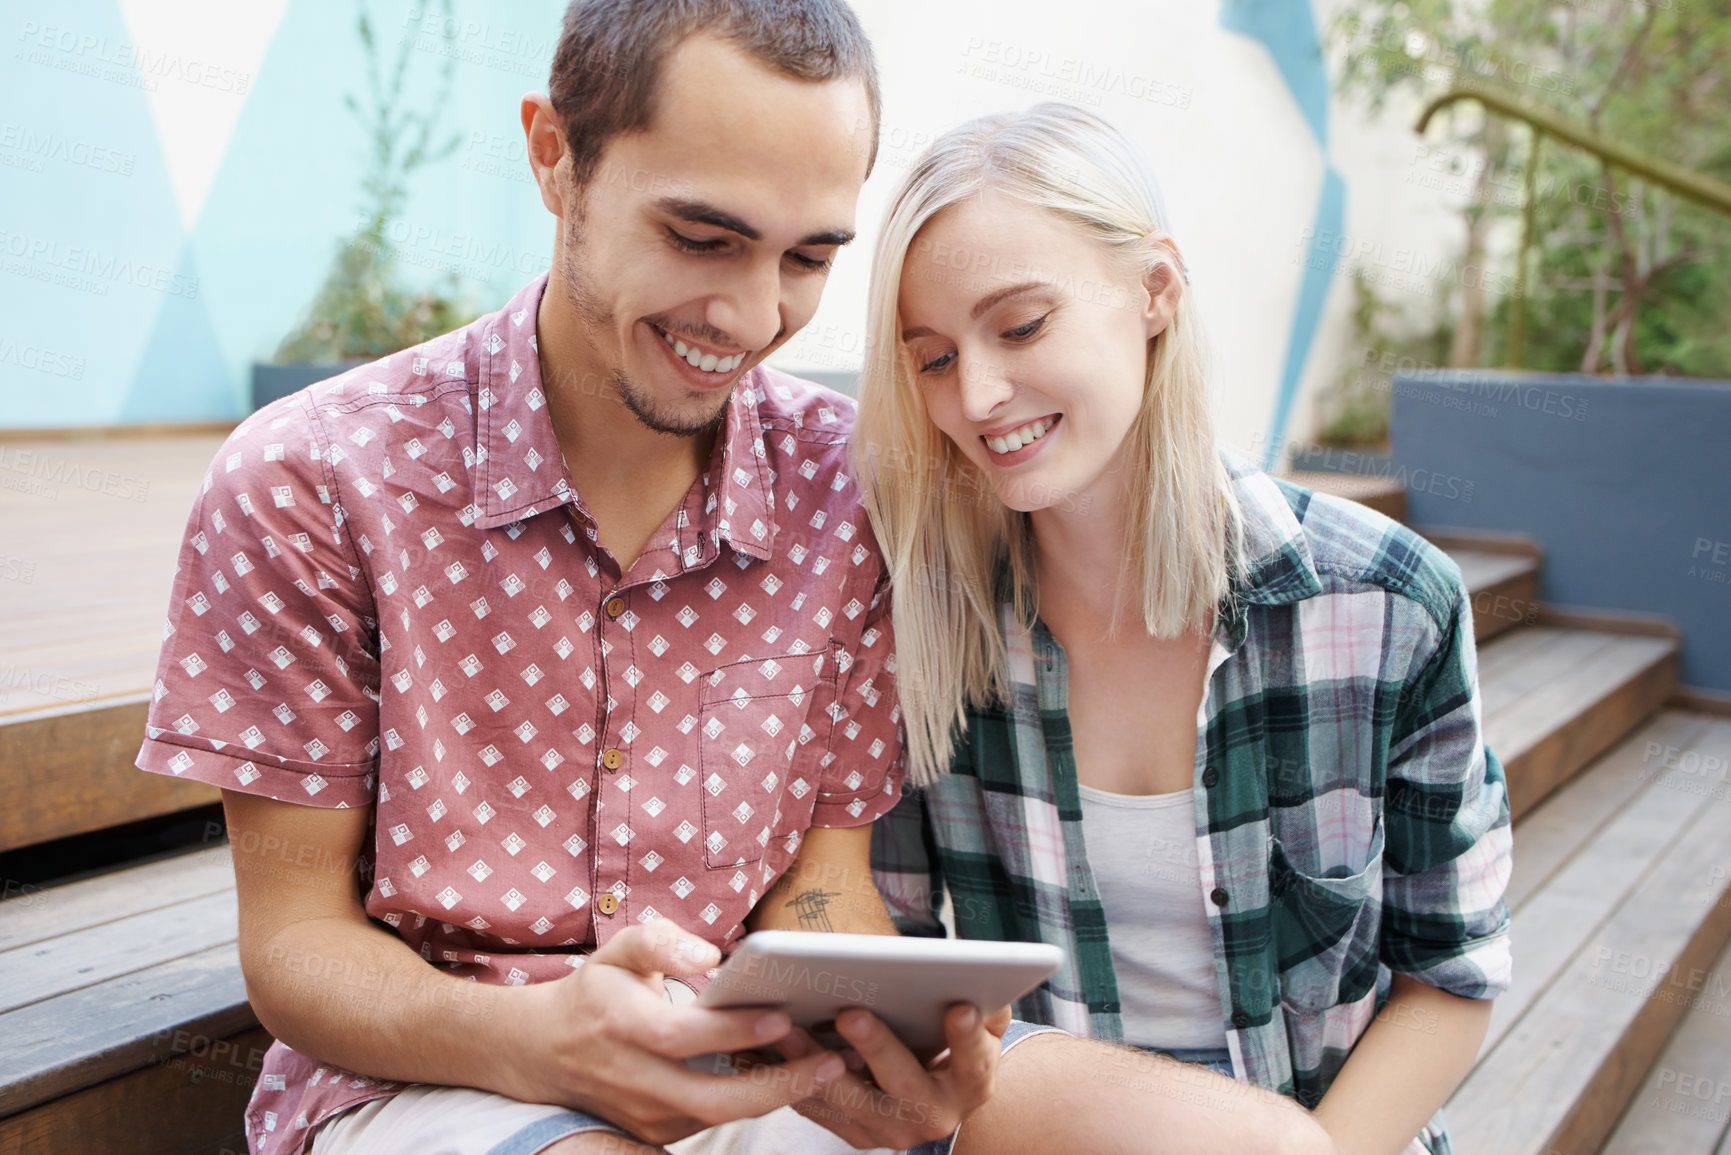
(708, 362)
(1016, 438)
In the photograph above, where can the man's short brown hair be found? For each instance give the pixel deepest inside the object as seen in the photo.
(611, 51)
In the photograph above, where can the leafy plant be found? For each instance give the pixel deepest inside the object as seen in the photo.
(1624, 276)
(364, 309)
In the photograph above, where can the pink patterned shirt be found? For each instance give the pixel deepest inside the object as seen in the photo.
(390, 594)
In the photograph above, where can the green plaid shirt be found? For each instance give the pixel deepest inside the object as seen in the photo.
(1349, 821)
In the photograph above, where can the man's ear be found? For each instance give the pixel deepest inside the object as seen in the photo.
(544, 141)
(1163, 280)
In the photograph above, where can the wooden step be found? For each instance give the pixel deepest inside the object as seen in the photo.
(1684, 1106)
(1501, 573)
(94, 524)
(1556, 697)
(1379, 493)
(1622, 901)
(121, 990)
(68, 770)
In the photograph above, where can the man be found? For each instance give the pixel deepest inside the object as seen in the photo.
(540, 661)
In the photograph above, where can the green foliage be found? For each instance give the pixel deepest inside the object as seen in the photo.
(1623, 276)
(364, 309)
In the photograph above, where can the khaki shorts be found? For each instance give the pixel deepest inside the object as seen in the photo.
(434, 1120)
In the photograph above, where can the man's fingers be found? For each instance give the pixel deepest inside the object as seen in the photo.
(973, 1059)
(893, 1066)
(999, 1023)
(659, 945)
(721, 1098)
(684, 1032)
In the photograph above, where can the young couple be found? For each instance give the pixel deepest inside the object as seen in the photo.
(540, 662)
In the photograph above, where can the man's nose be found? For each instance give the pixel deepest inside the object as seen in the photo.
(750, 307)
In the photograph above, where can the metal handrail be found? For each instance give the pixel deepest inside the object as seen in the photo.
(1703, 190)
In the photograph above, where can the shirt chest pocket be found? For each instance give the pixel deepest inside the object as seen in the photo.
(765, 728)
(1325, 930)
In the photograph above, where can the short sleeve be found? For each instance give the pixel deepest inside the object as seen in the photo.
(862, 777)
(268, 677)
(1447, 834)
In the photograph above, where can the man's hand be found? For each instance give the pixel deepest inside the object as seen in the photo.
(616, 1047)
(907, 1102)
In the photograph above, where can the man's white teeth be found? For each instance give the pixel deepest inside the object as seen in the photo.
(708, 362)
(1017, 438)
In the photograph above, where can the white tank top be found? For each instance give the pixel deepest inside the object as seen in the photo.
(1142, 850)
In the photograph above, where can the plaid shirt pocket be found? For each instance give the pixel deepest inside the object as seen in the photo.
(1325, 930)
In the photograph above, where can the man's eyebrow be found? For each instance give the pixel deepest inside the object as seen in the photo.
(980, 306)
(702, 213)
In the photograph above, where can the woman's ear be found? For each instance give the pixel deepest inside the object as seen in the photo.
(1163, 279)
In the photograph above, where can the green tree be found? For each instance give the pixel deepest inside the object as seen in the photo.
(1625, 276)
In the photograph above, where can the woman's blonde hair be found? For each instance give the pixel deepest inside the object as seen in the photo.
(945, 535)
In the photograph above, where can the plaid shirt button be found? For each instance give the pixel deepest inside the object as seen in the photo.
(1217, 896)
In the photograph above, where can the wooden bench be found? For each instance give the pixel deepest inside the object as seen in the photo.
(79, 638)
(124, 1024)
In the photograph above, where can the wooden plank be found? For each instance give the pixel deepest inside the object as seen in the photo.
(1544, 655)
(1451, 538)
(1560, 1076)
(1481, 570)
(69, 771)
(1608, 621)
(1684, 1106)
(1503, 589)
(1556, 921)
(143, 430)
(1702, 700)
(1551, 733)
(1552, 833)
(65, 1044)
(96, 954)
(183, 1104)
(75, 624)
(59, 910)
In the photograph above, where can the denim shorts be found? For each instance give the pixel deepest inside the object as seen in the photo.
(433, 1120)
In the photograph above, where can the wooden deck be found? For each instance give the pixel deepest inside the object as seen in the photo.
(92, 530)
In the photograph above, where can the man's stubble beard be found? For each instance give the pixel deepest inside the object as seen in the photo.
(598, 318)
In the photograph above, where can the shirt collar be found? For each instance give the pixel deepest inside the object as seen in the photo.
(738, 502)
(1279, 568)
(520, 469)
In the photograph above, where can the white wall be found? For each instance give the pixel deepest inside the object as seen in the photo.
(1238, 166)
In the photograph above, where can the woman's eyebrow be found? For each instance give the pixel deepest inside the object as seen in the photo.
(980, 306)
(996, 295)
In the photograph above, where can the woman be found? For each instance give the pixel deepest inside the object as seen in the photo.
(1214, 734)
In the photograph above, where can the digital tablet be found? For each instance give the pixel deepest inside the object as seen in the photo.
(906, 982)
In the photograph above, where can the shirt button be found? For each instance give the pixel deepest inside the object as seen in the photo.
(613, 759)
(607, 903)
(1239, 1018)
(1211, 777)
(1217, 896)
(615, 606)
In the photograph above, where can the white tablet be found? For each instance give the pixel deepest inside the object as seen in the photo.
(906, 982)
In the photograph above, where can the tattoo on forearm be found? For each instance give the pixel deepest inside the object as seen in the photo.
(812, 906)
